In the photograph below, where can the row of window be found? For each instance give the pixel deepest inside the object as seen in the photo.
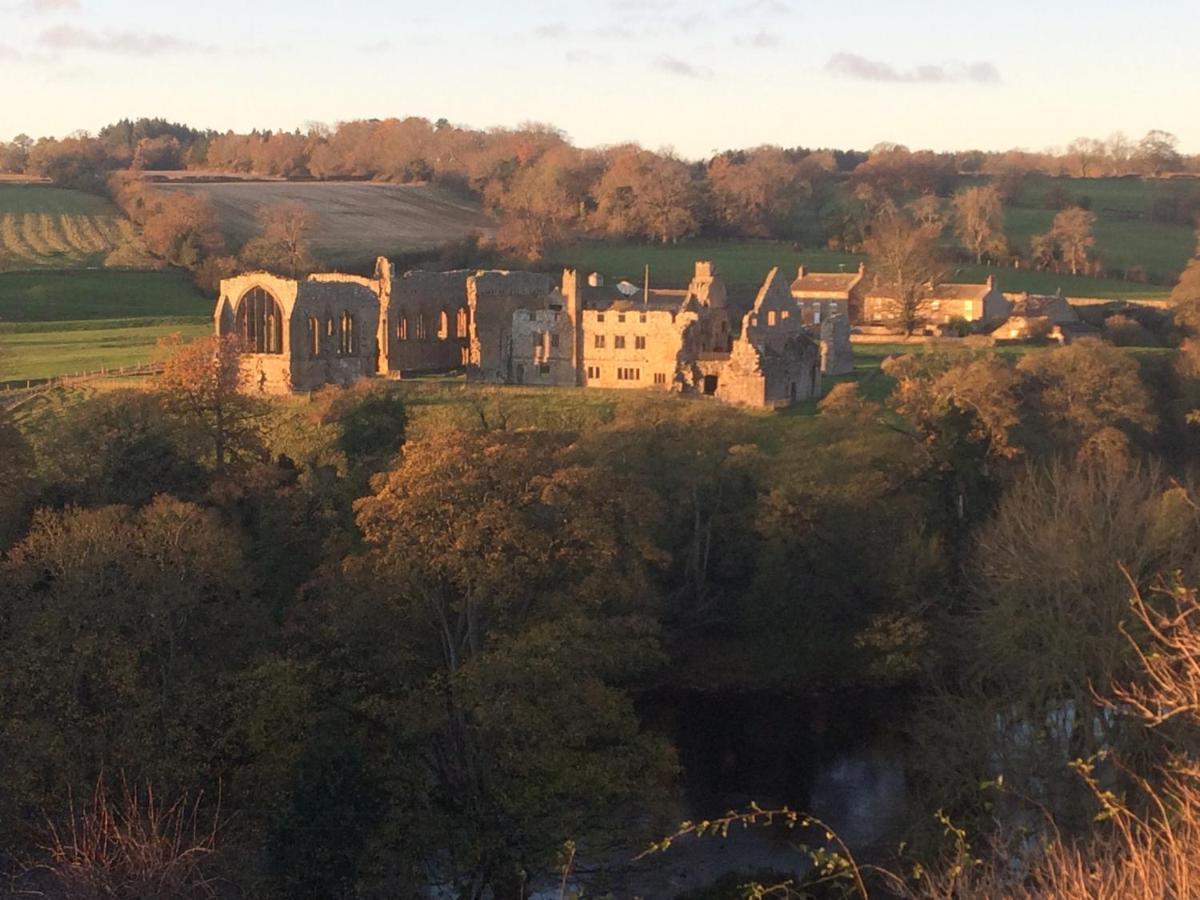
(639, 342)
(627, 374)
(340, 337)
(420, 327)
(620, 317)
(539, 340)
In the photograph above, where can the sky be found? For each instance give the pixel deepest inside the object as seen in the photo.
(692, 75)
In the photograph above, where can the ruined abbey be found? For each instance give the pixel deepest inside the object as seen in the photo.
(520, 328)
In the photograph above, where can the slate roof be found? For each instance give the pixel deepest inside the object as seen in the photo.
(835, 285)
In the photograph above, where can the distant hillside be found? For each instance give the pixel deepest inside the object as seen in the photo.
(355, 220)
(57, 228)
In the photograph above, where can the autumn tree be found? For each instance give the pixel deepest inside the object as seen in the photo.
(284, 244)
(907, 264)
(17, 483)
(499, 565)
(1187, 289)
(200, 385)
(755, 191)
(121, 626)
(180, 227)
(642, 194)
(540, 203)
(1090, 399)
(979, 221)
(1158, 152)
(1048, 588)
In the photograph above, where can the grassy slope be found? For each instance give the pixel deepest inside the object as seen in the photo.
(44, 226)
(53, 323)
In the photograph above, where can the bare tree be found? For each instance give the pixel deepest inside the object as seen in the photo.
(979, 220)
(907, 264)
(283, 246)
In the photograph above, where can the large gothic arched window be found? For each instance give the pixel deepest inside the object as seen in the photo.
(260, 322)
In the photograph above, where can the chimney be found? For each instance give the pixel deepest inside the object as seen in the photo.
(596, 280)
(704, 269)
(991, 282)
(862, 268)
(802, 271)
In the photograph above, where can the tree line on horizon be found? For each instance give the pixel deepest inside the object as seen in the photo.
(544, 191)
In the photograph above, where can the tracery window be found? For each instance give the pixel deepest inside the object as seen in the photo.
(260, 322)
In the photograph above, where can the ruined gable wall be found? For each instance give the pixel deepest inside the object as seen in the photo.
(418, 337)
(492, 298)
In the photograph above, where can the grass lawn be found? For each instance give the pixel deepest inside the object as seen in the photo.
(102, 294)
(40, 352)
(55, 323)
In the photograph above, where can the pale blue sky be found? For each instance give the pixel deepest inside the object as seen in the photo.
(697, 76)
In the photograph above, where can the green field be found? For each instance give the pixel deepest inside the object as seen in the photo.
(745, 264)
(55, 323)
(49, 227)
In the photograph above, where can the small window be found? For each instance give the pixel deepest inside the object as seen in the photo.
(621, 317)
(618, 342)
(639, 342)
(461, 324)
(543, 368)
(402, 326)
(642, 318)
(816, 317)
(599, 317)
(346, 335)
(443, 326)
(593, 371)
(554, 340)
(536, 340)
(770, 317)
(660, 377)
(531, 315)
(783, 315)
(314, 336)
(598, 341)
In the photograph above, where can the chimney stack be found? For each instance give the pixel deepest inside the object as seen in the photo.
(596, 280)
(802, 271)
(991, 282)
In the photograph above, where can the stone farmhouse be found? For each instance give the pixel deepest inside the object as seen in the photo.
(822, 295)
(943, 303)
(518, 328)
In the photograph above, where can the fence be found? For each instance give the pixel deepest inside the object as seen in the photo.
(15, 391)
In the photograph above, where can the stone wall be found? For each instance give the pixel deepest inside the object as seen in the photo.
(427, 321)
(492, 298)
(658, 364)
(541, 341)
(837, 353)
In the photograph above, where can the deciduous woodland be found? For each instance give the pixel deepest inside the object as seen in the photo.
(545, 192)
(425, 636)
